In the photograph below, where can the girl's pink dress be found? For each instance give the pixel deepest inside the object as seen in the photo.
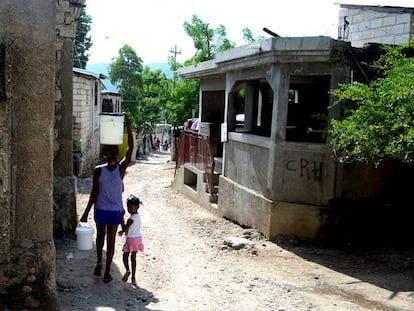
(134, 242)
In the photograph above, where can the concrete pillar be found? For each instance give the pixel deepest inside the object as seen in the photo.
(64, 185)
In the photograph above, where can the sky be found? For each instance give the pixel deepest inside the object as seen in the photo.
(154, 28)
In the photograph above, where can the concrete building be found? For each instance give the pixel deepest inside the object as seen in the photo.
(364, 24)
(277, 173)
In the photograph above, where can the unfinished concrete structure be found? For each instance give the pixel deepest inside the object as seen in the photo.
(38, 188)
(278, 174)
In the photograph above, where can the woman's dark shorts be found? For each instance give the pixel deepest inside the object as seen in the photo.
(104, 217)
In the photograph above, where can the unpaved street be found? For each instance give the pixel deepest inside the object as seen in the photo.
(186, 265)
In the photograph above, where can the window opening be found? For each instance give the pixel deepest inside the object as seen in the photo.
(252, 104)
(308, 101)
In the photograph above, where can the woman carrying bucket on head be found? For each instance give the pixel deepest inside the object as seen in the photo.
(106, 197)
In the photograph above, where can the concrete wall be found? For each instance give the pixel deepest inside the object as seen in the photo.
(86, 90)
(64, 183)
(373, 24)
(27, 266)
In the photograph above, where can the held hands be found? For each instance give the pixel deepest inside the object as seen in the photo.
(120, 233)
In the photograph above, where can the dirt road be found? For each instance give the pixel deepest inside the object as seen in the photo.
(187, 266)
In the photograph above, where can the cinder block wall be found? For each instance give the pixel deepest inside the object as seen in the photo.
(370, 24)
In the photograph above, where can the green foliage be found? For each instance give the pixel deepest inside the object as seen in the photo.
(184, 99)
(207, 41)
(125, 72)
(76, 144)
(83, 42)
(248, 36)
(378, 120)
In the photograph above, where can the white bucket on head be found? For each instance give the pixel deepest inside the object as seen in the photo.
(111, 128)
(84, 238)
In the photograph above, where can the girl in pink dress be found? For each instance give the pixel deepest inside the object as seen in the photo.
(133, 243)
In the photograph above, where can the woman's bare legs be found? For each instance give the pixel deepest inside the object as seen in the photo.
(110, 249)
(100, 238)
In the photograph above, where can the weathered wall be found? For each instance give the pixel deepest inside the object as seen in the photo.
(64, 184)
(248, 163)
(27, 266)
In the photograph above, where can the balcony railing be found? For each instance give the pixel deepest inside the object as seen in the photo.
(194, 148)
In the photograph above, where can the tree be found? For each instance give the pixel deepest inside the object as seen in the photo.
(83, 41)
(248, 36)
(378, 120)
(207, 41)
(125, 72)
(183, 100)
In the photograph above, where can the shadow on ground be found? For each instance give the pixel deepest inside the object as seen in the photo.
(390, 268)
(79, 289)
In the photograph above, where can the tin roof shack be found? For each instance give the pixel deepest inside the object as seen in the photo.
(278, 174)
(87, 88)
(111, 101)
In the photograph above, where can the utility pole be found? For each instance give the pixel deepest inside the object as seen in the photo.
(175, 52)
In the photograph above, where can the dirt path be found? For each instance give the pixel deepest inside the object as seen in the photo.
(186, 265)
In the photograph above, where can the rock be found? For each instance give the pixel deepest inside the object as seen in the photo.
(238, 243)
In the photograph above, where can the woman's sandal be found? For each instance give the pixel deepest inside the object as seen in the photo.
(98, 269)
(107, 278)
(126, 276)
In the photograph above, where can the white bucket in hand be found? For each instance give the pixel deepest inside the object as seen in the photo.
(111, 128)
(84, 237)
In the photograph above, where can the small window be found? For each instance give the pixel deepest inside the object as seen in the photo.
(107, 105)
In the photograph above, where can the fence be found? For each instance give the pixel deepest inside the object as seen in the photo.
(194, 148)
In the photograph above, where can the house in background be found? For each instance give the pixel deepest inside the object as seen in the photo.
(365, 24)
(90, 98)
(111, 101)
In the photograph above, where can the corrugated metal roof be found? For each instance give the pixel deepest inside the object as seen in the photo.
(88, 73)
(108, 86)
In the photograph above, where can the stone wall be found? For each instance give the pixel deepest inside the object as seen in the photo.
(27, 266)
(371, 24)
(36, 181)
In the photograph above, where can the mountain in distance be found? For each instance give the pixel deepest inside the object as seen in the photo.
(103, 68)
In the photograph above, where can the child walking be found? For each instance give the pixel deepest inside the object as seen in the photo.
(133, 243)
